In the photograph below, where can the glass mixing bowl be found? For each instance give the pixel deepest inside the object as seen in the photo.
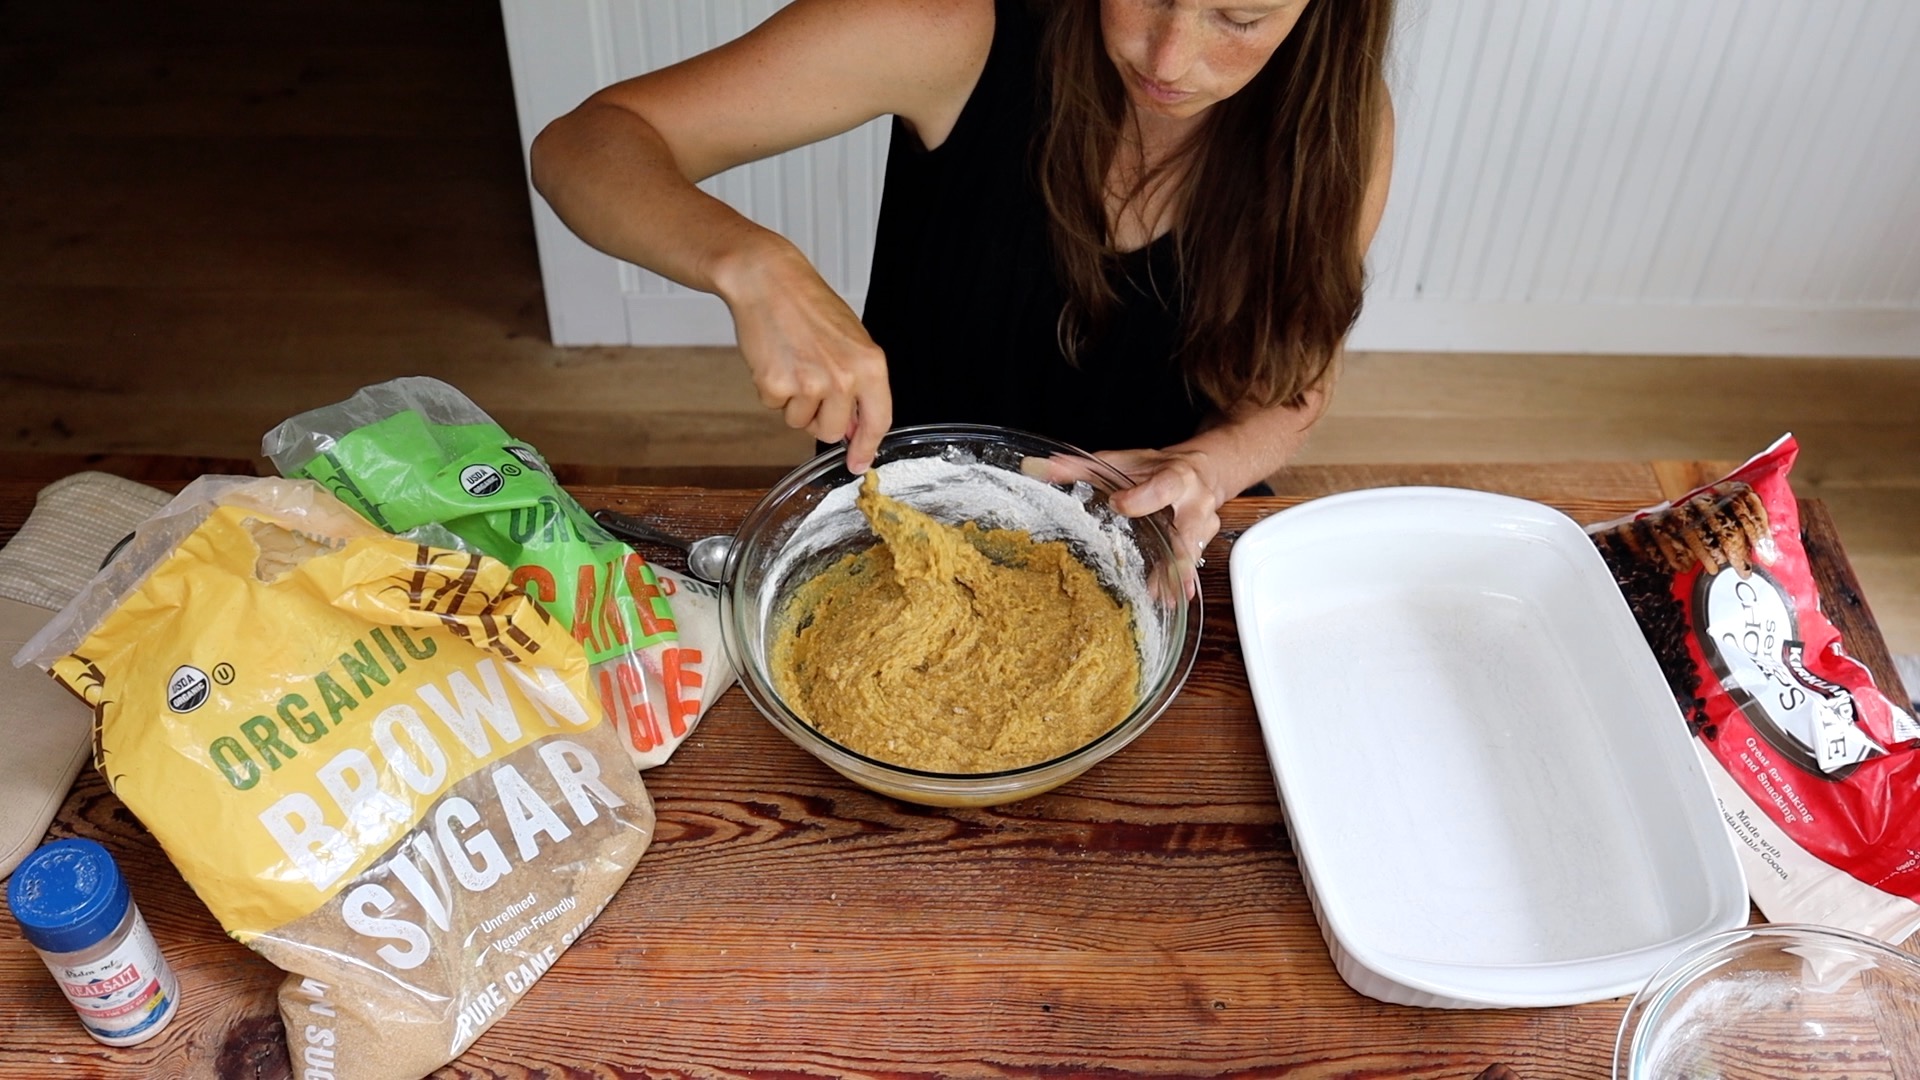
(1784, 1000)
(958, 473)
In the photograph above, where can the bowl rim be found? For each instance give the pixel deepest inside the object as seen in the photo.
(1688, 966)
(811, 739)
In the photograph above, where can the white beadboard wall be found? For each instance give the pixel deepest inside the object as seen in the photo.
(1684, 176)
(1635, 176)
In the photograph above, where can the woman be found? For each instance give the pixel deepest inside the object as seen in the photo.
(1135, 225)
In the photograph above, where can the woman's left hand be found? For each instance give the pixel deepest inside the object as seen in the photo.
(1195, 478)
(1184, 481)
(1178, 479)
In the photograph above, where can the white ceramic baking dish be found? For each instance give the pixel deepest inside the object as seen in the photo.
(1491, 792)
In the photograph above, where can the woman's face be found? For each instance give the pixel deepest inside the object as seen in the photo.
(1178, 57)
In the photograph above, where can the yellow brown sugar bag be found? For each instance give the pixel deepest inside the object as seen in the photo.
(381, 765)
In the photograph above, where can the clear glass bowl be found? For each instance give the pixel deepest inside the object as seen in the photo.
(808, 521)
(1785, 1000)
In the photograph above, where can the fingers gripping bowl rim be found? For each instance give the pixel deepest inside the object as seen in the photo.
(957, 473)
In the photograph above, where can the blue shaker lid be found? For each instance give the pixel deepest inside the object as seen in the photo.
(67, 895)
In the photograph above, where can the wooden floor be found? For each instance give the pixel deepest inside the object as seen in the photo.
(210, 220)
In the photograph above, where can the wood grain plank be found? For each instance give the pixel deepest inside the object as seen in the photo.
(1680, 394)
(1837, 450)
(1145, 919)
(1843, 601)
(1544, 481)
(1894, 583)
(236, 90)
(303, 24)
(1677, 478)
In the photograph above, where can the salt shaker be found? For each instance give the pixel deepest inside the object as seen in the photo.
(74, 908)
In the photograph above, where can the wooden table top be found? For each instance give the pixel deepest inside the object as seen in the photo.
(1147, 918)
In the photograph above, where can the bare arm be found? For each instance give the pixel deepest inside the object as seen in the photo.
(621, 169)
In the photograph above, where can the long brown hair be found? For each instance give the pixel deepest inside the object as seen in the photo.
(1267, 232)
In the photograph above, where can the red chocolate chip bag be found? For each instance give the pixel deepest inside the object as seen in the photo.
(1814, 766)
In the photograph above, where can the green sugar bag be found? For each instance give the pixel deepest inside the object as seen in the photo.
(417, 458)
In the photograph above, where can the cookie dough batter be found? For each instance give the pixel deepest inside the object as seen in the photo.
(955, 649)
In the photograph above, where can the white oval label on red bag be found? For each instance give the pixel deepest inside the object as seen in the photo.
(1752, 641)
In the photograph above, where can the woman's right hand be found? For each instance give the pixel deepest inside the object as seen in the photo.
(809, 354)
(622, 170)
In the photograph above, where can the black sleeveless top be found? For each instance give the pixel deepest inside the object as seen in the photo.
(965, 296)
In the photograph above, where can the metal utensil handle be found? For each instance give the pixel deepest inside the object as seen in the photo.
(630, 528)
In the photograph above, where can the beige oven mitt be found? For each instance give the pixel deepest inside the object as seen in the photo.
(45, 732)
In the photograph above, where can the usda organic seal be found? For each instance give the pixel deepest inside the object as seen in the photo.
(187, 690)
(481, 480)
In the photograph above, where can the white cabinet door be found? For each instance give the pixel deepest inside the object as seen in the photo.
(824, 197)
